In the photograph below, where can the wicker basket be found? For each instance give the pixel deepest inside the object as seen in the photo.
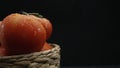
(44, 59)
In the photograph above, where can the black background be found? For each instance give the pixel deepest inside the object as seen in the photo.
(86, 30)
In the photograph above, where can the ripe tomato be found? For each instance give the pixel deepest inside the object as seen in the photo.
(0, 33)
(46, 46)
(46, 24)
(2, 51)
(22, 34)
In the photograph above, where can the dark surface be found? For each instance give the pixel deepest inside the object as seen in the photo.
(107, 66)
(86, 30)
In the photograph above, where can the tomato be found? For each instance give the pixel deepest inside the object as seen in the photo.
(46, 46)
(22, 34)
(2, 51)
(46, 24)
(0, 33)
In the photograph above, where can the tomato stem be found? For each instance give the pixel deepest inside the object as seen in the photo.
(35, 14)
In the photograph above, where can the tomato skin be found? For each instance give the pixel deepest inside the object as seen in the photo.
(48, 27)
(46, 24)
(46, 46)
(2, 51)
(21, 34)
(0, 35)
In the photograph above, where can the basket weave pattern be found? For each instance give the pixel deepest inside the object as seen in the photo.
(44, 59)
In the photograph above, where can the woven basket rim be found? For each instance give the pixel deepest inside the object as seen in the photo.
(55, 47)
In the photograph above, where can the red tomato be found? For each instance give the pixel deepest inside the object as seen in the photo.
(46, 46)
(22, 34)
(0, 35)
(2, 51)
(46, 24)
